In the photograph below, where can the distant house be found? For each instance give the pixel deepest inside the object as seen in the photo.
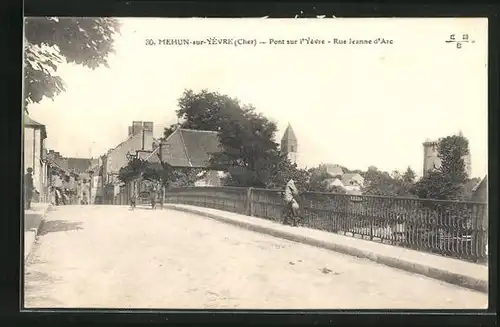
(334, 170)
(480, 191)
(78, 165)
(353, 180)
(35, 135)
(140, 137)
(331, 182)
(351, 183)
(187, 148)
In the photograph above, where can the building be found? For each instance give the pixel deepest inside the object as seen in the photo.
(352, 183)
(187, 148)
(184, 148)
(289, 144)
(140, 137)
(105, 183)
(480, 191)
(34, 151)
(333, 170)
(432, 161)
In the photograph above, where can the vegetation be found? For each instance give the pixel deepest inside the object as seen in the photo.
(447, 182)
(51, 41)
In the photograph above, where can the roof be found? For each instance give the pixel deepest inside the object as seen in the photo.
(29, 122)
(481, 184)
(189, 148)
(289, 133)
(79, 165)
(153, 156)
(333, 170)
(117, 158)
(349, 176)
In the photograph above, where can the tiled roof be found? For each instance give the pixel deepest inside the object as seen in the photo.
(289, 134)
(482, 183)
(334, 170)
(190, 148)
(346, 178)
(153, 156)
(29, 122)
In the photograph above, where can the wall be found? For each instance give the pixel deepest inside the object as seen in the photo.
(37, 164)
(29, 136)
(432, 160)
(117, 157)
(430, 157)
(33, 146)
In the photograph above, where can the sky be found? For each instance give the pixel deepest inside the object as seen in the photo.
(357, 105)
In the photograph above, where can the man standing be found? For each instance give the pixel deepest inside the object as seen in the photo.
(161, 195)
(28, 188)
(292, 205)
(58, 188)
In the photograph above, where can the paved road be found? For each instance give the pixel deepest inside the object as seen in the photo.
(110, 257)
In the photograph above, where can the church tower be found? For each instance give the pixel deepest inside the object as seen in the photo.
(289, 144)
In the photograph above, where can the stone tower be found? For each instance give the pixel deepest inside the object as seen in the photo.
(289, 144)
(431, 159)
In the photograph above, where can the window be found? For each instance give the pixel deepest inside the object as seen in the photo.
(292, 148)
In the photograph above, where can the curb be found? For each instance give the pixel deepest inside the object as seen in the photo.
(33, 234)
(428, 271)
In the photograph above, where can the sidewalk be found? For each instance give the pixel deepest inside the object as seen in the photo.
(457, 272)
(33, 219)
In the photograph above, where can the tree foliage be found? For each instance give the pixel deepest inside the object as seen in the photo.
(249, 153)
(164, 174)
(382, 183)
(409, 176)
(50, 41)
(132, 170)
(448, 180)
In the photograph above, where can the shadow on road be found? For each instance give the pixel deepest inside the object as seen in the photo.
(52, 226)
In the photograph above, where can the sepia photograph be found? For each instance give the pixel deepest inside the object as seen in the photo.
(255, 163)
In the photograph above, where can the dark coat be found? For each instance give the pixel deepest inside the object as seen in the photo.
(28, 183)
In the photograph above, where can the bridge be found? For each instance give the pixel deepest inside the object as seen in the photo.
(108, 256)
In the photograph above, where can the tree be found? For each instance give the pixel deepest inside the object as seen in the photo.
(409, 176)
(447, 181)
(50, 41)
(318, 180)
(382, 183)
(451, 152)
(163, 173)
(249, 152)
(283, 170)
(132, 170)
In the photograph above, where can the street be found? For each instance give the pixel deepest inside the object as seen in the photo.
(112, 257)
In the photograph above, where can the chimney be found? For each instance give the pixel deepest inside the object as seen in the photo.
(147, 136)
(136, 127)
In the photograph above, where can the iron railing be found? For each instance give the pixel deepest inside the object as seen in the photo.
(450, 228)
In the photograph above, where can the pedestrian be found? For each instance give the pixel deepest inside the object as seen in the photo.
(28, 188)
(292, 206)
(133, 198)
(161, 196)
(57, 184)
(85, 192)
(153, 197)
